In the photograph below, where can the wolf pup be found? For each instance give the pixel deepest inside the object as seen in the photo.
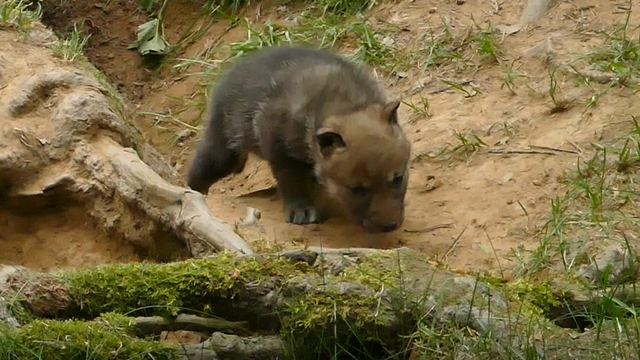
(315, 117)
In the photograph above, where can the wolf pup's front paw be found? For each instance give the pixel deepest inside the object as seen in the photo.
(302, 215)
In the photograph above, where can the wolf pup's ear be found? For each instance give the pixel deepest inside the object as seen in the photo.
(390, 111)
(328, 141)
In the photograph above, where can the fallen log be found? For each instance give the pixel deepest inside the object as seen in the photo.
(155, 325)
(298, 303)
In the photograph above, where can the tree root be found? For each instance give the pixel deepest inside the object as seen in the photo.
(63, 143)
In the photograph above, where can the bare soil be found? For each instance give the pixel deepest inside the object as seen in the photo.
(58, 238)
(468, 211)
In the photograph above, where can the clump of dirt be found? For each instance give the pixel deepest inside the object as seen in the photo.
(468, 209)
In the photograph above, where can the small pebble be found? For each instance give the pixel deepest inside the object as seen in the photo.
(387, 41)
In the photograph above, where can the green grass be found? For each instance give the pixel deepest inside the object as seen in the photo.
(14, 13)
(351, 7)
(420, 107)
(109, 337)
(599, 208)
(488, 47)
(372, 47)
(72, 47)
(620, 54)
(509, 77)
(210, 6)
(465, 146)
(560, 103)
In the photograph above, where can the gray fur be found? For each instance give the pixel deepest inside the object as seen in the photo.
(271, 103)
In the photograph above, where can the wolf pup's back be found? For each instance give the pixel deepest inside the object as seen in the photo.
(312, 115)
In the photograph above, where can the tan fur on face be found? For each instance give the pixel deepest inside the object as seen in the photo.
(376, 152)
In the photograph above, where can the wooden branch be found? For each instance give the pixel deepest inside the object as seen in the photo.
(183, 210)
(155, 325)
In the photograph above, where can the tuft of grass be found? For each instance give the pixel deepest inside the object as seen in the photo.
(488, 46)
(509, 76)
(621, 53)
(628, 159)
(461, 87)
(421, 108)
(346, 7)
(180, 130)
(328, 32)
(72, 47)
(442, 47)
(270, 34)
(210, 6)
(439, 49)
(108, 337)
(553, 239)
(377, 48)
(467, 145)
(16, 13)
(560, 103)
(598, 210)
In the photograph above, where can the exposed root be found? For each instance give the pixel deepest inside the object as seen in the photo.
(62, 141)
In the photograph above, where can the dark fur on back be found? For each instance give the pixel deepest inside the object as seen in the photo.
(272, 103)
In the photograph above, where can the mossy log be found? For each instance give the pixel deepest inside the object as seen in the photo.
(268, 306)
(65, 140)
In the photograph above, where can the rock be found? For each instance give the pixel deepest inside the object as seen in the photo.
(615, 262)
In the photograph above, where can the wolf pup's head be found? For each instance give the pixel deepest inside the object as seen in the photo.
(363, 162)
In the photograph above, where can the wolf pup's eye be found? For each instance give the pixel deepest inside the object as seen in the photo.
(359, 190)
(397, 181)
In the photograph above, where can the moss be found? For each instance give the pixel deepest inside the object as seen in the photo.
(108, 337)
(165, 289)
(317, 308)
(342, 313)
(539, 295)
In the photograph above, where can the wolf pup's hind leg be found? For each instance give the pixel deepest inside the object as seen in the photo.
(213, 158)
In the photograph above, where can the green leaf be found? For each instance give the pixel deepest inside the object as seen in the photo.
(150, 40)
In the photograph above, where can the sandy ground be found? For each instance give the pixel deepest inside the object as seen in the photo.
(468, 210)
